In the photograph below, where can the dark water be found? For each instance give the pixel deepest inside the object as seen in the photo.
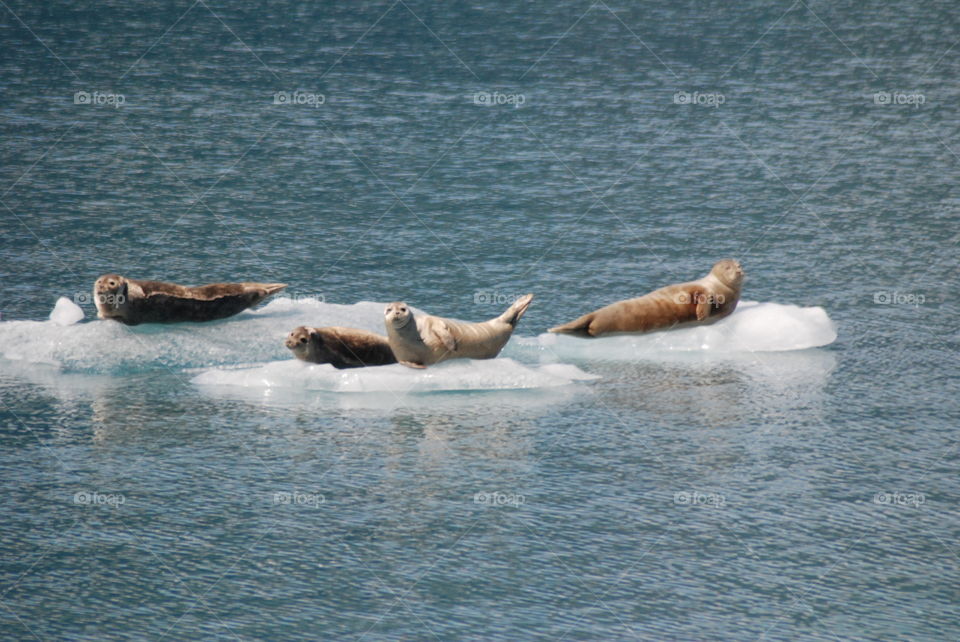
(805, 495)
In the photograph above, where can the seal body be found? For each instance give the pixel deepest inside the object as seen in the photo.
(340, 347)
(133, 302)
(422, 340)
(705, 301)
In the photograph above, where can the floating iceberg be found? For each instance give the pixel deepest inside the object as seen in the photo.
(753, 327)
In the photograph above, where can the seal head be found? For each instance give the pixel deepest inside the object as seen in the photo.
(110, 293)
(729, 272)
(299, 342)
(398, 314)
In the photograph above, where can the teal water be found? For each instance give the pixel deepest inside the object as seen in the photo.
(786, 495)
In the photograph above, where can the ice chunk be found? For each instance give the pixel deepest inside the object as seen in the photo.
(110, 347)
(456, 375)
(753, 327)
(66, 312)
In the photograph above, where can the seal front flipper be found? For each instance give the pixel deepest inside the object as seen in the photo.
(441, 333)
(700, 298)
(410, 364)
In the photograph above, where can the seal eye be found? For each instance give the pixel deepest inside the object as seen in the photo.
(303, 339)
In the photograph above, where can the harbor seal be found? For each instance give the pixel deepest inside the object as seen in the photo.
(701, 302)
(133, 302)
(340, 347)
(423, 340)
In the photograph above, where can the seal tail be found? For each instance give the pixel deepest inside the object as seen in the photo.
(515, 311)
(580, 327)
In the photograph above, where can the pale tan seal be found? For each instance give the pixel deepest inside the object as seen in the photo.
(705, 301)
(132, 302)
(340, 347)
(422, 340)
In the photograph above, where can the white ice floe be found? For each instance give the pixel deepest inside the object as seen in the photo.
(753, 327)
(256, 336)
(110, 347)
(66, 312)
(456, 375)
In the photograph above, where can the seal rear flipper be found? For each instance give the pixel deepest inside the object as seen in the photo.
(263, 291)
(579, 328)
(513, 314)
(272, 288)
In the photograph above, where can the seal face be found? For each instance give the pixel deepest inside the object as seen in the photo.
(133, 302)
(340, 347)
(418, 341)
(700, 302)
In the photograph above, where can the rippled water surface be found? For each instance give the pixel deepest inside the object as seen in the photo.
(186, 482)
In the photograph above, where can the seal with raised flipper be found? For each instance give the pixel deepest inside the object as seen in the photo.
(133, 302)
(340, 347)
(700, 302)
(422, 340)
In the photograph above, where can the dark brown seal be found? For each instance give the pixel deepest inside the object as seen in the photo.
(695, 303)
(340, 347)
(133, 302)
